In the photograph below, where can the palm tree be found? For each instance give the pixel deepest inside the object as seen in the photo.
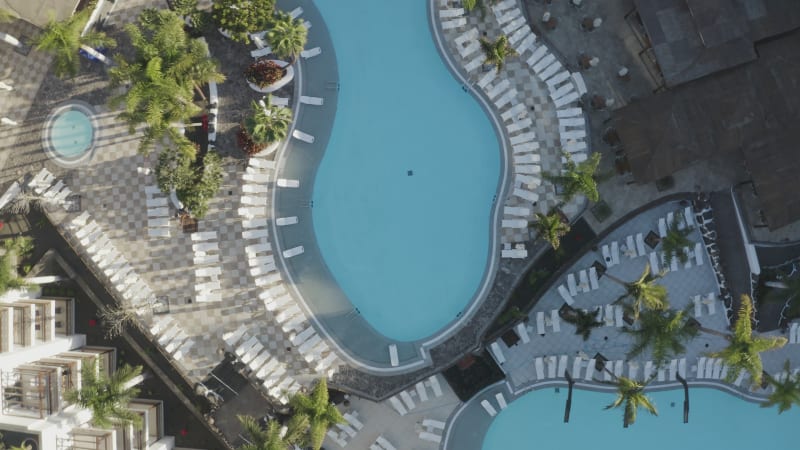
(744, 350)
(584, 321)
(665, 332)
(551, 227)
(631, 394)
(154, 99)
(269, 123)
(643, 292)
(274, 437)
(496, 52)
(579, 178)
(321, 413)
(787, 391)
(63, 40)
(108, 396)
(287, 37)
(675, 242)
(196, 68)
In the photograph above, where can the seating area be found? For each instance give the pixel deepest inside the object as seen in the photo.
(404, 402)
(509, 103)
(158, 216)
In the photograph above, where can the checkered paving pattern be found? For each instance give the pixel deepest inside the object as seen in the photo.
(534, 94)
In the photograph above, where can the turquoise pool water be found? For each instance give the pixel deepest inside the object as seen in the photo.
(716, 421)
(71, 134)
(403, 195)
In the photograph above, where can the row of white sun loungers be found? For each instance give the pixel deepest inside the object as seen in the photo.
(157, 212)
(489, 407)
(115, 267)
(712, 368)
(207, 270)
(381, 444)
(347, 430)
(404, 401)
(660, 262)
(50, 190)
(543, 321)
(265, 368)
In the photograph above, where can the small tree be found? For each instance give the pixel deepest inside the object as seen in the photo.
(497, 52)
(174, 168)
(321, 413)
(787, 390)
(665, 332)
(116, 319)
(675, 243)
(630, 393)
(267, 124)
(273, 437)
(744, 350)
(551, 227)
(584, 321)
(204, 185)
(239, 18)
(287, 37)
(63, 40)
(579, 178)
(107, 396)
(643, 292)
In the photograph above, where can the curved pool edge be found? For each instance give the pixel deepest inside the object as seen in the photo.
(419, 357)
(481, 424)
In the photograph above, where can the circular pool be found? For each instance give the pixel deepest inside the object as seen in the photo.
(69, 134)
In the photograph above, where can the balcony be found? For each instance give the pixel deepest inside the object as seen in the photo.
(89, 439)
(30, 391)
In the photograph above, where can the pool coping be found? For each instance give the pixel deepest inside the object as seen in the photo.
(504, 387)
(87, 155)
(422, 347)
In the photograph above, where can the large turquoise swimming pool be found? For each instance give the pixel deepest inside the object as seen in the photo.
(716, 421)
(403, 196)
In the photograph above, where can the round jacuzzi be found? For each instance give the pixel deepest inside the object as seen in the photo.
(69, 134)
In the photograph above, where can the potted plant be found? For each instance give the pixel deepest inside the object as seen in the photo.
(264, 128)
(268, 75)
(236, 19)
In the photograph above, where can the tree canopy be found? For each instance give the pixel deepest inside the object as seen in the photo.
(64, 40)
(578, 178)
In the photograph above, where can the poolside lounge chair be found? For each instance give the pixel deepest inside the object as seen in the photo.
(551, 70)
(698, 253)
(456, 23)
(508, 16)
(393, 358)
(688, 217)
(398, 405)
(711, 302)
(662, 227)
(158, 232)
(562, 366)
(497, 352)
(793, 333)
(633, 370)
(648, 370)
(409, 402)
(593, 281)
(519, 125)
(577, 363)
(525, 147)
(618, 316)
(435, 386)
(526, 195)
(572, 284)
(555, 321)
(506, 98)
(310, 53)
(451, 13)
(384, 443)
(476, 62)
(522, 331)
(302, 136)
(256, 233)
(254, 189)
(565, 294)
(473, 47)
(552, 365)
(315, 101)
(513, 25)
(701, 367)
(673, 369)
(567, 99)
(662, 375)
(502, 6)
(516, 211)
(260, 163)
(584, 281)
(709, 372)
(488, 407)
(501, 400)
(654, 262)
(590, 369)
(256, 177)
(422, 393)
(288, 183)
(540, 323)
(208, 272)
(516, 111)
(539, 363)
(469, 35)
(498, 88)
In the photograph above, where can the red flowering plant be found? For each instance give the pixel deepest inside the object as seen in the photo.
(263, 73)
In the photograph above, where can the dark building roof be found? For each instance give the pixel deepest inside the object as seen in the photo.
(750, 113)
(694, 38)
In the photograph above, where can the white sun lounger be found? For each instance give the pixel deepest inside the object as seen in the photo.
(540, 329)
(488, 408)
(566, 100)
(261, 163)
(519, 125)
(498, 88)
(514, 223)
(288, 183)
(520, 109)
(263, 269)
(254, 189)
(619, 321)
(487, 78)
(565, 294)
(204, 235)
(302, 136)
(294, 251)
(654, 267)
(468, 35)
(315, 101)
(476, 62)
(539, 364)
(310, 53)
(593, 281)
(256, 177)
(456, 23)
(506, 98)
(584, 281)
(473, 47)
(525, 174)
(283, 221)
(577, 363)
(254, 223)
(572, 285)
(711, 302)
(501, 400)
(526, 195)
(451, 13)
(698, 253)
(516, 211)
(158, 232)
(513, 25)
(590, 370)
(207, 272)
(648, 370)
(508, 16)
(709, 372)
(522, 138)
(552, 366)
(497, 352)
(393, 358)
(257, 233)
(522, 331)
(409, 402)
(435, 386)
(398, 405)
(555, 321)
